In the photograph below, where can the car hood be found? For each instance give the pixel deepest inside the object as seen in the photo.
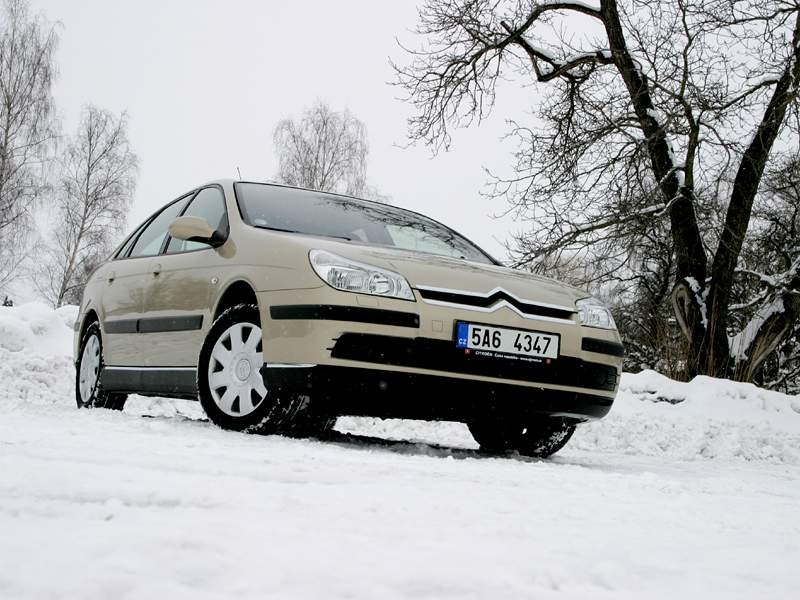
(441, 272)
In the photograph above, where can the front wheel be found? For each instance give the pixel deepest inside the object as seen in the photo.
(310, 421)
(89, 392)
(230, 380)
(539, 438)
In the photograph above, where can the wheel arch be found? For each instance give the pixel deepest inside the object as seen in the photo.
(86, 320)
(237, 292)
(90, 317)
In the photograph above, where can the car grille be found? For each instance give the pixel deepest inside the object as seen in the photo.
(478, 301)
(442, 355)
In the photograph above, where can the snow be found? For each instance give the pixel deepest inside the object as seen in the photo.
(741, 342)
(653, 113)
(589, 5)
(700, 294)
(581, 55)
(686, 490)
(767, 79)
(561, 62)
(546, 54)
(38, 328)
(679, 168)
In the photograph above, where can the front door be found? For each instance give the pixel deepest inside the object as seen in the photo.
(178, 297)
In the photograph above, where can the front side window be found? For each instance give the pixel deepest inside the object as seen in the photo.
(318, 213)
(209, 203)
(150, 240)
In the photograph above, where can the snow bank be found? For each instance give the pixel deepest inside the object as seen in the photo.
(658, 417)
(37, 328)
(36, 354)
(653, 415)
(704, 418)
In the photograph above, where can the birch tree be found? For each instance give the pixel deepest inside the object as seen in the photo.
(27, 131)
(94, 192)
(649, 114)
(323, 150)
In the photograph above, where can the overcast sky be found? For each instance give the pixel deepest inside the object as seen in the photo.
(204, 82)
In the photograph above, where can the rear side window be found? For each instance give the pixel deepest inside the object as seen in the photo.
(209, 204)
(150, 240)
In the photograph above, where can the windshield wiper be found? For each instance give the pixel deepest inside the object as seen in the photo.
(281, 229)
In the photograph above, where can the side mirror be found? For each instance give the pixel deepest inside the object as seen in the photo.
(196, 229)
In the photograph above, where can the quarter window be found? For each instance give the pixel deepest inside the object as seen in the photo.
(123, 252)
(209, 204)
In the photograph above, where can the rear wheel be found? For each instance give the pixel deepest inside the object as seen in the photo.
(89, 392)
(231, 384)
(540, 438)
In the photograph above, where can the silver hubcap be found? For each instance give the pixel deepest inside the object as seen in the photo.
(90, 368)
(234, 371)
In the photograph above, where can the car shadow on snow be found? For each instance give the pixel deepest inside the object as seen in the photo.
(414, 448)
(360, 442)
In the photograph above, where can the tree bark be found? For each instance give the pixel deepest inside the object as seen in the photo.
(690, 256)
(715, 351)
(771, 333)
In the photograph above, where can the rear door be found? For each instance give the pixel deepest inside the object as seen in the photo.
(179, 294)
(126, 281)
(122, 302)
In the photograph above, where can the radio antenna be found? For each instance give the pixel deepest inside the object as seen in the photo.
(239, 172)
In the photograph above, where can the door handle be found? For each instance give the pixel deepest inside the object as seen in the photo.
(112, 276)
(156, 269)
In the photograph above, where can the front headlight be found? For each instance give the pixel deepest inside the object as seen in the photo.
(350, 276)
(594, 313)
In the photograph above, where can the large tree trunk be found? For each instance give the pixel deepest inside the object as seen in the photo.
(454, 79)
(690, 257)
(714, 358)
(700, 307)
(765, 333)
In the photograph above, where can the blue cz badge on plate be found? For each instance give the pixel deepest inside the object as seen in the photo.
(462, 333)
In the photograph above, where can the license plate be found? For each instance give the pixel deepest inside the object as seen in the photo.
(502, 340)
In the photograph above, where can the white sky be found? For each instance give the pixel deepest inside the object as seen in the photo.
(204, 83)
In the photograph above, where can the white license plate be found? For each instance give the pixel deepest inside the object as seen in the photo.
(501, 340)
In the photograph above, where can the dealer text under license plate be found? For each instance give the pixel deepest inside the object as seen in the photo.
(501, 340)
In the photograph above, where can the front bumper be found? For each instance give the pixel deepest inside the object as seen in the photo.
(393, 394)
(391, 352)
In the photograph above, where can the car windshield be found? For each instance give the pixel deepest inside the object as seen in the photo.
(318, 213)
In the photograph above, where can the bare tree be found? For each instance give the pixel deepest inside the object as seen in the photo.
(323, 150)
(769, 266)
(98, 177)
(655, 113)
(27, 47)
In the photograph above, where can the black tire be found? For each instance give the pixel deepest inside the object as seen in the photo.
(272, 412)
(97, 396)
(540, 438)
(309, 421)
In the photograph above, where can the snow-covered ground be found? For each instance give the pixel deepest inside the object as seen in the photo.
(685, 490)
